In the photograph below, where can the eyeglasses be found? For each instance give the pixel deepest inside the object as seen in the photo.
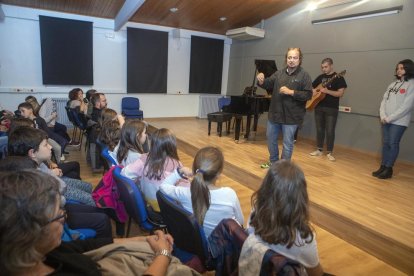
(63, 216)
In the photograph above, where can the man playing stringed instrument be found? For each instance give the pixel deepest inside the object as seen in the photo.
(326, 112)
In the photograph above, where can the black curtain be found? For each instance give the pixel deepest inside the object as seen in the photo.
(147, 61)
(206, 65)
(67, 51)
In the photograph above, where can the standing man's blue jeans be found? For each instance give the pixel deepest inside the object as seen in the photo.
(391, 137)
(272, 133)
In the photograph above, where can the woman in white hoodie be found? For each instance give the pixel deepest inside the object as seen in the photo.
(395, 115)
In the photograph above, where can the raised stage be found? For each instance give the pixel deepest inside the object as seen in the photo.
(374, 215)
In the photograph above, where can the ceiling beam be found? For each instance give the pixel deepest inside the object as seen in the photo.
(129, 8)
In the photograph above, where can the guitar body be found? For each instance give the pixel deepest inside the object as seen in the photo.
(319, 96)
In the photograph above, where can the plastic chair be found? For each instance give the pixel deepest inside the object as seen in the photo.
(134, 203)
(188, 235)
(130, 108)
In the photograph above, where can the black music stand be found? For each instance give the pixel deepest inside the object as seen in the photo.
(267, 67)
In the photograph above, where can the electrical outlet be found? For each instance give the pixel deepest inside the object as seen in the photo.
(345, 109)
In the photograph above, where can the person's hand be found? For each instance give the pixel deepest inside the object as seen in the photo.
(54, 115)
(160, 241)
(260, 78)
(384, 121)
(286, 91)
(53, 165)
(323, 90)
(186, 171)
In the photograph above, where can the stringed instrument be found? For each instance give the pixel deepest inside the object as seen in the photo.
(319, 96)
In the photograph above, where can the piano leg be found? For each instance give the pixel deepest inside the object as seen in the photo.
(209, 127)
(248, 122)
(238, 120)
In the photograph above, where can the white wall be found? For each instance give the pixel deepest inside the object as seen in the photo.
(20, 64)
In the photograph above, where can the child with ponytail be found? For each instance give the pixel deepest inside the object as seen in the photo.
(209, 204)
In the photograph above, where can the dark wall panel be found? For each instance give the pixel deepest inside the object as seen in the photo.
(147, 61)
(67, 51)
(206, 65)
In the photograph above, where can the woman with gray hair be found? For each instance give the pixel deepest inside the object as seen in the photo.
(31, 225)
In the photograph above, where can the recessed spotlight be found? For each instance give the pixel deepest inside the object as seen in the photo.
(173, 9)
(223, 18)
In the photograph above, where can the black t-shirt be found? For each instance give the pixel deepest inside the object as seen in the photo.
(337, 83)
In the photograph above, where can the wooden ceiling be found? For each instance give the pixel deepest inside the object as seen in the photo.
(199, 15)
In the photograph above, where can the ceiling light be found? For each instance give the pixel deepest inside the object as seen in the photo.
(173, 9)
(362, 15)
(223, 18)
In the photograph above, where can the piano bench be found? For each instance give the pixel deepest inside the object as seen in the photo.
(219, 118)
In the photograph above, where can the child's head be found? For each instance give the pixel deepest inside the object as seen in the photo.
(26, 110)
(19, 122)
(110, 133)
(163, 146)
(133, 136)
(28, 141)
(107, 115)
(34, 103)
(207, 166)
(281, 205)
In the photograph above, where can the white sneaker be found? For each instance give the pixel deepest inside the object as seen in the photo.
(316, 153)
(330, 157)
(62, 158)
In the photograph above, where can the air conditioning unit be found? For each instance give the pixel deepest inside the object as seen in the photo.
(246, 33)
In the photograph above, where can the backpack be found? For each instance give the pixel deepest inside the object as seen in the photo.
(106, 195)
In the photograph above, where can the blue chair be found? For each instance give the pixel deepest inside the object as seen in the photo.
(189, 238)
(130, 108)
(135, 204)
(107, 157)
(79, 121)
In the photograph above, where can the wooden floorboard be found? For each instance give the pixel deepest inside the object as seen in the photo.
(376, 215)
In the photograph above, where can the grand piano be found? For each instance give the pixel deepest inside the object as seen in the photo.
(249, 104)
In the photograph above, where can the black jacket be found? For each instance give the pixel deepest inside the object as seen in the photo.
(286, 109)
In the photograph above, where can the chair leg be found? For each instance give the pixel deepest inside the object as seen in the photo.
(209, 127)
(219, 127)
(128, 227)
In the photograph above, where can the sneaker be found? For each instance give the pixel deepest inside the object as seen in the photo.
(330, 157)
(266, 165)
(62, 158)
(316, 153)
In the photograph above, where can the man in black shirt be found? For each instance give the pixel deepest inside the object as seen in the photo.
(326, 112)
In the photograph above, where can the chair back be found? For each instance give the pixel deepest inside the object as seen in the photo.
(222, 102)
(78, 119)
(134, 203)
(182, 225)
(70, 116)
(131, 108)
(108, 158)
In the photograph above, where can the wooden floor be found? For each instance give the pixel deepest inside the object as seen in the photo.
(345, 188)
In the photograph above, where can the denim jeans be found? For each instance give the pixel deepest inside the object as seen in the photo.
(391, 137)
(325, 121)
(272, 133)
